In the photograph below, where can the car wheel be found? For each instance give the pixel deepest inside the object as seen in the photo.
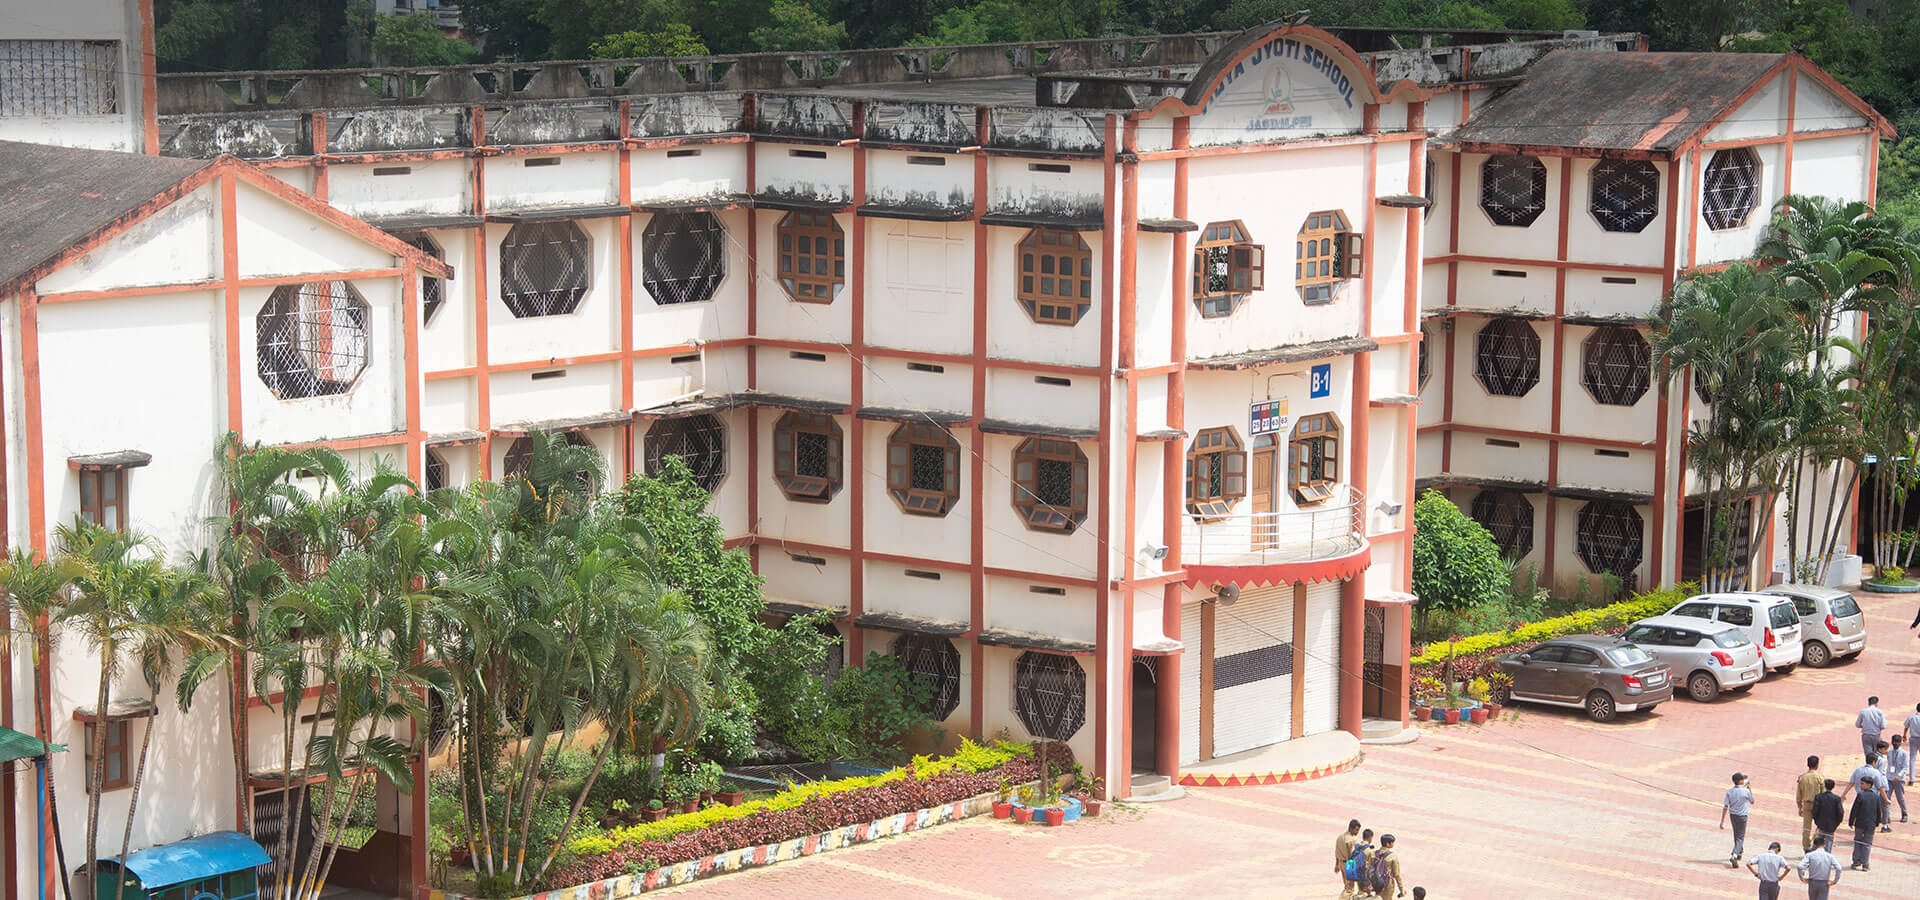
(1600, 706)
(1817, 655)
(1784, 670)
(1703, 687)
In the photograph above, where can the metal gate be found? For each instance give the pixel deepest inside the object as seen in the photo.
(1322, 712)
(1253, 670)
(1190, 684)
(1374, 647)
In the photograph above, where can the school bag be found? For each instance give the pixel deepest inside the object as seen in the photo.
(1381, 874)
(1357, 862)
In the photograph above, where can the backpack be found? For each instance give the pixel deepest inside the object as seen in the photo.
(1356, 866)
(1381, 874)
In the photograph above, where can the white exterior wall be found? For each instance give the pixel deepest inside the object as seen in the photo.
(85, 20)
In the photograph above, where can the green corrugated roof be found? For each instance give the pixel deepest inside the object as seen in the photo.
(14, 745)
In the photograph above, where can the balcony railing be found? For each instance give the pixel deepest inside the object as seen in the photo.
(1328, 531)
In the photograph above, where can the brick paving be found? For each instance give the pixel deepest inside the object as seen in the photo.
(1540, 804)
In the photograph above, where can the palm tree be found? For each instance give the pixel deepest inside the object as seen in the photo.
(34, 586)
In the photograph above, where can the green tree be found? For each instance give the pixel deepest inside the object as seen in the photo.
(1456, 564)
(797, 25)
(676, 39)
(413, 39)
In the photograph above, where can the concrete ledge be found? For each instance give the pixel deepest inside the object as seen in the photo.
(1302, 759)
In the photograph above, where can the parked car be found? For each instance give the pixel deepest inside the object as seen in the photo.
(1769, 619)
(1831, 624)
(1601, 674)
(1707, 657)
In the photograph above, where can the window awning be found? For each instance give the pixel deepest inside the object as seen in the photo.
(118, 711)
(529, 216)
(1031, 429)
(785, 608)
(193, 859)
(572, 423)
(1168, 226)
(797, 203)
(1012, 219)
(902, 622)
(107, 462)
(1024, 640)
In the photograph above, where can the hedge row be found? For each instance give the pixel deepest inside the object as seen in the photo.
(1604, 620)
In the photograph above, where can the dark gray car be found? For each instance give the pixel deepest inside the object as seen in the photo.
(1601, 674)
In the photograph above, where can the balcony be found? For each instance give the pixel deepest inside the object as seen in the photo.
(1316, 543)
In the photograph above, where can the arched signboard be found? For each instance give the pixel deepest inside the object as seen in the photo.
(1289, 83)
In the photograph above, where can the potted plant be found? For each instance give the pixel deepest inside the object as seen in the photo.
(707, 778)
(1003, 803)
(732, 798)
(1096, 789)
(1499, 690)
(1453, 716)
(1023, 810)
(655, 810)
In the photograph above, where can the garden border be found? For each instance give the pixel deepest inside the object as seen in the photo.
(743, 858)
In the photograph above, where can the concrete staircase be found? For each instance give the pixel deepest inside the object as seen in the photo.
(1386, 731)
(1149, 787)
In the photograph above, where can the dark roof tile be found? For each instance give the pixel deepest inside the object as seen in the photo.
(56, 197)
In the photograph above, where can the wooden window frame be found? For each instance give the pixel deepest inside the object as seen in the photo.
(786, 440)
(1038, 514)
(1044, 254)
(108, 782)
(433, 291)
(813, 230)
(901, 449)
(1215, 450)
(1311, 479)
(1235, 266)
(1327, 253)
(1498, 175)
(96, 511)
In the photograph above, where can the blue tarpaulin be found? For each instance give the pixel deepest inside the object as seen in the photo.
(194, 858)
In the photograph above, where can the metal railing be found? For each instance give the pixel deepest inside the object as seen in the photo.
(1333, 529)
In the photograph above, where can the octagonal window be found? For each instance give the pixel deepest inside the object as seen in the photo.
(1625, 194)
(544, 269)
(312, 339)
(1050, 695)
(933, 661)
(701, 441)
(1616, 365)
(1508, 359)
(1050, 484)
(1056, 276)
(684, 257)
(1729, 188)
(1513, 189)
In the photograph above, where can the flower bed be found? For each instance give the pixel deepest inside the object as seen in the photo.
(804, 811)
(1471, 654)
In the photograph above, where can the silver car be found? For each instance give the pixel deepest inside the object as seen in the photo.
(1831, 624)
(1707, 656)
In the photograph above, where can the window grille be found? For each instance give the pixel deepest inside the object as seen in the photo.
(807, 456)
(923, 469)
(699, 440)
(1226, 268)
(433, 291)
(1216, 472)
(1313, 458)
(685, 257)
(1325, 254)
(933, 661)
(1513, 189)
(1616, 366)
(436, 471)
(1050, 695)
(311, 339)
(59, 78)
(1425, 353)
(1050, 484)
(544, 269)
(1625, 194)
(813, 257)
(103, 498)
(1508, 516)
(1729, 188)
(116, 773)
(1056, 276)
(1609, 538)
(518, 460)
(1508, 362)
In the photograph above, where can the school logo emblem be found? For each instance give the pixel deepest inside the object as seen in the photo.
(1279, 88)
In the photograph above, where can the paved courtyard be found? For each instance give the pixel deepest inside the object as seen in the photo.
(1542, 804)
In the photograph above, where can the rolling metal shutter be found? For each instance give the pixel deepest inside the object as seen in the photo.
(1190, 684)
(1253, 670)
(1322, 712)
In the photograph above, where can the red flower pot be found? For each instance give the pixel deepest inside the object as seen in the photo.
(1453, 717)
(1090, 806)
(1056, 816)
(1479, 715)
(655, 815)
(706, 797)
(733, 798)
(1023, 814)
(1002, 810)
(1493, 710)
(690, 806)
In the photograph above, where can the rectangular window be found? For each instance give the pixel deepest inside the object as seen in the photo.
(926, 161)
(1509, 273)
(681, 154)
(924, 574)
(1052, 381)
(808, 560)
(807, 154)
(1049, 167)
(807, 355)
(538, 161)
(382, 171)
(59, 78)
(116, 774)
(550, 373)
(925, 367)
(103, 498)
(1617, 454)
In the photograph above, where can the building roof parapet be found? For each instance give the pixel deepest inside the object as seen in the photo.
(910, 624)
(1305, 351)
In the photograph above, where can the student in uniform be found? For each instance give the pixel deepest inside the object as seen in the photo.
(1819, 869)
(1738, 803)
(1864, 817)
(1912, 728)
(1899, 766)
(1342, 849)
(1804, 791)
(1880, 751)
(1769, 867)
(1828, 815)
(1871, 721)
(1387, 881)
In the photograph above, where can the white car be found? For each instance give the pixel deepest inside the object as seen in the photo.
(1831, 623)
(1707, 657)
(1770, 621)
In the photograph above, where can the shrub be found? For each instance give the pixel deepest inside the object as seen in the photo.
(1455, 561)
(1469, 652)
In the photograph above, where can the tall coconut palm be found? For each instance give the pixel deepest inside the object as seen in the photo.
(34, 586)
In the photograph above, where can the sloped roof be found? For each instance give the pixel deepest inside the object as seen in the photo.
(56, 197)
(1616, 101)
(17, 746)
